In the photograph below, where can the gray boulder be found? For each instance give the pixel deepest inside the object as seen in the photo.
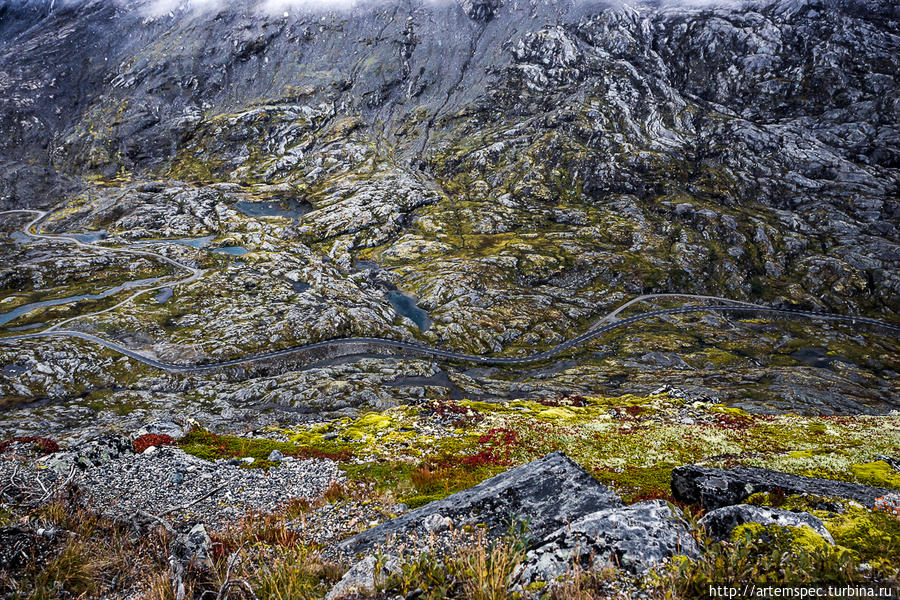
(547, 493)
(162, 427)
(721, 522)
(364, 578)
(192, 548)
(634, 538)
(715, 488)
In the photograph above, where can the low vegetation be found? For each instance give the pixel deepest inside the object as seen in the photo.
(416, 454)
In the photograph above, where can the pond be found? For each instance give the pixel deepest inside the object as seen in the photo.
(405, 306)
(232, 250)
(88, 237)
(289, 209)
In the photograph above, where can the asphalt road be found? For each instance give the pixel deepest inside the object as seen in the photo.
(428, 351)
(608, 323)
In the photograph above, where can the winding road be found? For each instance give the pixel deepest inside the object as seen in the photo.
(606, 324)
(195, 274)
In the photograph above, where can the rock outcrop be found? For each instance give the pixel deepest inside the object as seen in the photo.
(89, 454)
(715, 488)
(480, 10)
(546, 494)
(634, 538)
(721, 522)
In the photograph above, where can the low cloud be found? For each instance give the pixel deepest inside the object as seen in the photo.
(160, 8)
(156, 8)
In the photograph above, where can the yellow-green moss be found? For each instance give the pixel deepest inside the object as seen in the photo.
(792, 538)
(878, 473)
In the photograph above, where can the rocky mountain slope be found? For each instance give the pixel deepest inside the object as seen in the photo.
(197, 183)
(749, 151)
(520, 169)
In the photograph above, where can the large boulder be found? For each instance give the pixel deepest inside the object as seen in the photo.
(635, 538)
(715, 488)
(547, 493)
(721, 522)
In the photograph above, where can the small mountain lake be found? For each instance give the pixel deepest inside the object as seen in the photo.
(288, 209)
(405, 306)
(232, 250)
(88, 237)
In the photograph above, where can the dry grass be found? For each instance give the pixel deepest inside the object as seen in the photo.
(476, 571)
(89, 556)
(487, 568)
(579, 585)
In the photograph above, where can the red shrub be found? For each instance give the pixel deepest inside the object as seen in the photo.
(728, 421)
(42, 445)
(633, 411)
(485, 458)
(497, 435)
(143, 442)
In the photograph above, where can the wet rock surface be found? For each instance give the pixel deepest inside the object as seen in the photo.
(545, 494)
(715, 488)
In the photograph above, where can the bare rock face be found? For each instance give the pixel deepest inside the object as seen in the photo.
(480, 10)
(547, 493)
(721, 522)
(635, 538)
(715, 488)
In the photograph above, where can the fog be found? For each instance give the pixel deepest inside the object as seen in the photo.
(159, 8)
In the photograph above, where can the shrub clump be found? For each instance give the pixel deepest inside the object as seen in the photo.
(42, 445)
(143, 442)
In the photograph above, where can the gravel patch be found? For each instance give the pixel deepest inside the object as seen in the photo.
(188, 489)
(182, 488)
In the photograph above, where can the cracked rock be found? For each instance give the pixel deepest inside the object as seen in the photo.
(721, 522)
(634, 538)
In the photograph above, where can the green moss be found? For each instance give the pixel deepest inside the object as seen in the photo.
(873, 537)
(758, 554)
(639, 483)
(422, 499)
(210, 446)
(383, 475)
(870, 536)
(787, 538)
(879, 474)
